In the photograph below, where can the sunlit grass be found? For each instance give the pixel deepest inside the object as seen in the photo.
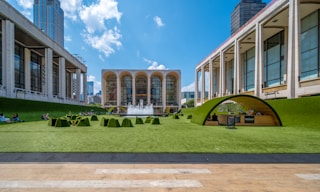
(172, 135)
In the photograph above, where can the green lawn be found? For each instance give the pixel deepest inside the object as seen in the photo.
(173, 135)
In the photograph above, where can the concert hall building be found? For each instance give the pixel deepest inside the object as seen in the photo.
(161, 88)
(274, 55)
(35, 67)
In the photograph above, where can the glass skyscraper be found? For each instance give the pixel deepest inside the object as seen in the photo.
(244, 11)
(49, 17)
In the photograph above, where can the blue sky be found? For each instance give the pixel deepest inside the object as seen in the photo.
(142, 34)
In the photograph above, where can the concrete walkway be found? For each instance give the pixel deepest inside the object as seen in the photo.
(115, 172)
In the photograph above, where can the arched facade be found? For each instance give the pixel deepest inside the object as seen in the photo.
(161, 88)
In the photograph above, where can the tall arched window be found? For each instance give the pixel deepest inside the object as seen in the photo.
(141, 89)
(111, 90)
(156, 90)
(171, 86)
(126, 90)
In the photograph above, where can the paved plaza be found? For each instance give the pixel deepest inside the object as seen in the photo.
(52, 172)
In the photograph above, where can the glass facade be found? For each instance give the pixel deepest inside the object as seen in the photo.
(171, 85)
(199, 84)
(231, 76)
(19, 66)
(55, 79)
(309, 64)
(274, 64)
(126, 90)
(111, 89)
(49, 17)
(156, 90)
(35, 67)
(141, 89)
(68, 84)
(249, 69)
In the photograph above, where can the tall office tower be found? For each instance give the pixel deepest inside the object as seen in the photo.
(49, 17)
(244, 11)
(90, 88)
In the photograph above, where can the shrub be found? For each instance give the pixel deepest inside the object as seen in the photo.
(62, 122)
(148, 119)
(94, 118)
(83, 122)
(155, 121)
(139, 120)
(126, 123)
(104, 121)
(189, 117)
(113, 123)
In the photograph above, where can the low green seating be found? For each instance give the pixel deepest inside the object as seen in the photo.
(104, 121)
(155, 121)
(52, 121)
(113, 123)
(73, 117)
(126, 123)
(139, 120)
(83, 122)
(148, 119)
(62, 122)
(175, 116)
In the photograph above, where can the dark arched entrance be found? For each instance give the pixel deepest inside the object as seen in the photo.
(247, 101)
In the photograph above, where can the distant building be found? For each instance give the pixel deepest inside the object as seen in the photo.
(161, 88)
(92, 99)
(49, 17)
(90, 88)
(244, 11)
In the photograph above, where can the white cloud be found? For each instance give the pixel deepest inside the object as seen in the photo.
(26, 4)
(95, 15)
(158, 21)
(101, 58)
(71, 8)
(188, 88)
(97, 34)
(68, 38)
(96, 84)
(105, 42)
(154, 65)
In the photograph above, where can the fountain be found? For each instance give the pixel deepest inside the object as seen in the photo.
(140, 109)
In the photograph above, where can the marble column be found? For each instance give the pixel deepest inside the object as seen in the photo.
(8, 57)
(294, 48)
(62, 78)
(48, 88)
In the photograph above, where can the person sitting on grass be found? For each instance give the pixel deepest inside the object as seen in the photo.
(4, 119)
(45, 116)
(16, 118)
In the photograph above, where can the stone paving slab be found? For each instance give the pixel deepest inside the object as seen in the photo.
(79, 177)
(159, 158)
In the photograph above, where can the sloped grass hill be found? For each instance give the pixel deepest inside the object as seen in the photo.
(32, 110)
(302, 112)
